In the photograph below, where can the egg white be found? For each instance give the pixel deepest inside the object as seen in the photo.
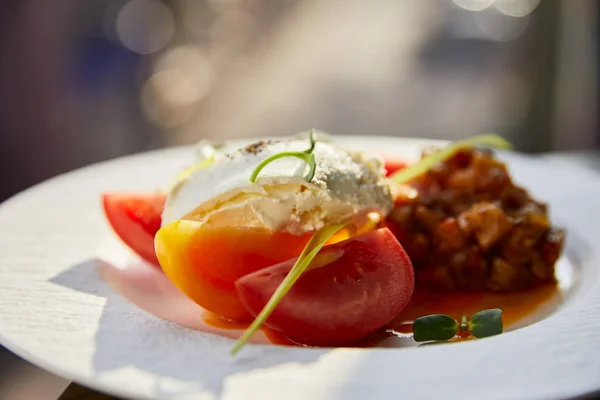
(346, 186)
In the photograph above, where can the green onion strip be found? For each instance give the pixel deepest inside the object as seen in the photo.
(311, 249)
(425, 164)
(307, 156)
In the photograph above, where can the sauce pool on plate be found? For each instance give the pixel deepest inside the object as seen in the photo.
(518, 309)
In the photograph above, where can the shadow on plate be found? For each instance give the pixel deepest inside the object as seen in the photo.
(188, 360)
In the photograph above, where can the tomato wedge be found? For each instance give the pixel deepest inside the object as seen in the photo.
(204, 262)
(350, 290)
(136, 217)
(392, 166)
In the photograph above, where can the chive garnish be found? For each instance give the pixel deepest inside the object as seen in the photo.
(311, 249)
(307, 156)
(443, 327)
(419, 168)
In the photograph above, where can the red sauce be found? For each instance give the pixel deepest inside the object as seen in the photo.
(222, 323)
(517, 308)
(277, 338)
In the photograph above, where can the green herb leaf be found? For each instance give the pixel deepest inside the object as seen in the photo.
(307, 156)
(314, 245)
(412, 171)
(435, 327)
(486, 323)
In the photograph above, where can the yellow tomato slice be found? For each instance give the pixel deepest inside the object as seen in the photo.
(204, 262)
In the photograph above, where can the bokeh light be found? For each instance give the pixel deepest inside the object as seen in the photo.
(222, 5)
(473, 5)
(181, 80)
(229, 32)
(513, 8)
(516, 8)
(145, 26)
(195, 17)
(500, 27)
(165, 99)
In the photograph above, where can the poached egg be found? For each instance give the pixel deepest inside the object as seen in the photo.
(348, 186)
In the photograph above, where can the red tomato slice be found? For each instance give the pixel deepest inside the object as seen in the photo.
(136, 217)
(392, 166)
(351, 289)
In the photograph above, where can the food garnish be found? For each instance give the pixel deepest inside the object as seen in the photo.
(485, 323)
(412, 171)
(307, 156)
(443, 327)
(315, 244)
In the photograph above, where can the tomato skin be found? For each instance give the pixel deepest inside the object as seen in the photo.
(135, 218)
(392, 166)
(361, 284)
(205, 262)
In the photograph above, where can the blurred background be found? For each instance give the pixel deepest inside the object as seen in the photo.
(84, 81)
(88, 80)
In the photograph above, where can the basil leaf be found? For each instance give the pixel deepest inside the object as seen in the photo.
(434, 327)
(486, 323)
(313, 246)
(419, 168)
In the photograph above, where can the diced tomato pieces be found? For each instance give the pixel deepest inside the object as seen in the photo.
(204, 262)
(351, 289)
(136, 217)
(392, 166)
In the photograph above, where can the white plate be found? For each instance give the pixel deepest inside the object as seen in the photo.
(58, 314)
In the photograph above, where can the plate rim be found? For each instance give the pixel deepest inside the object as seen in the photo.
(101, 386)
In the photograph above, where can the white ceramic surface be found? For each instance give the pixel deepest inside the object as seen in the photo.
(57, 313)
